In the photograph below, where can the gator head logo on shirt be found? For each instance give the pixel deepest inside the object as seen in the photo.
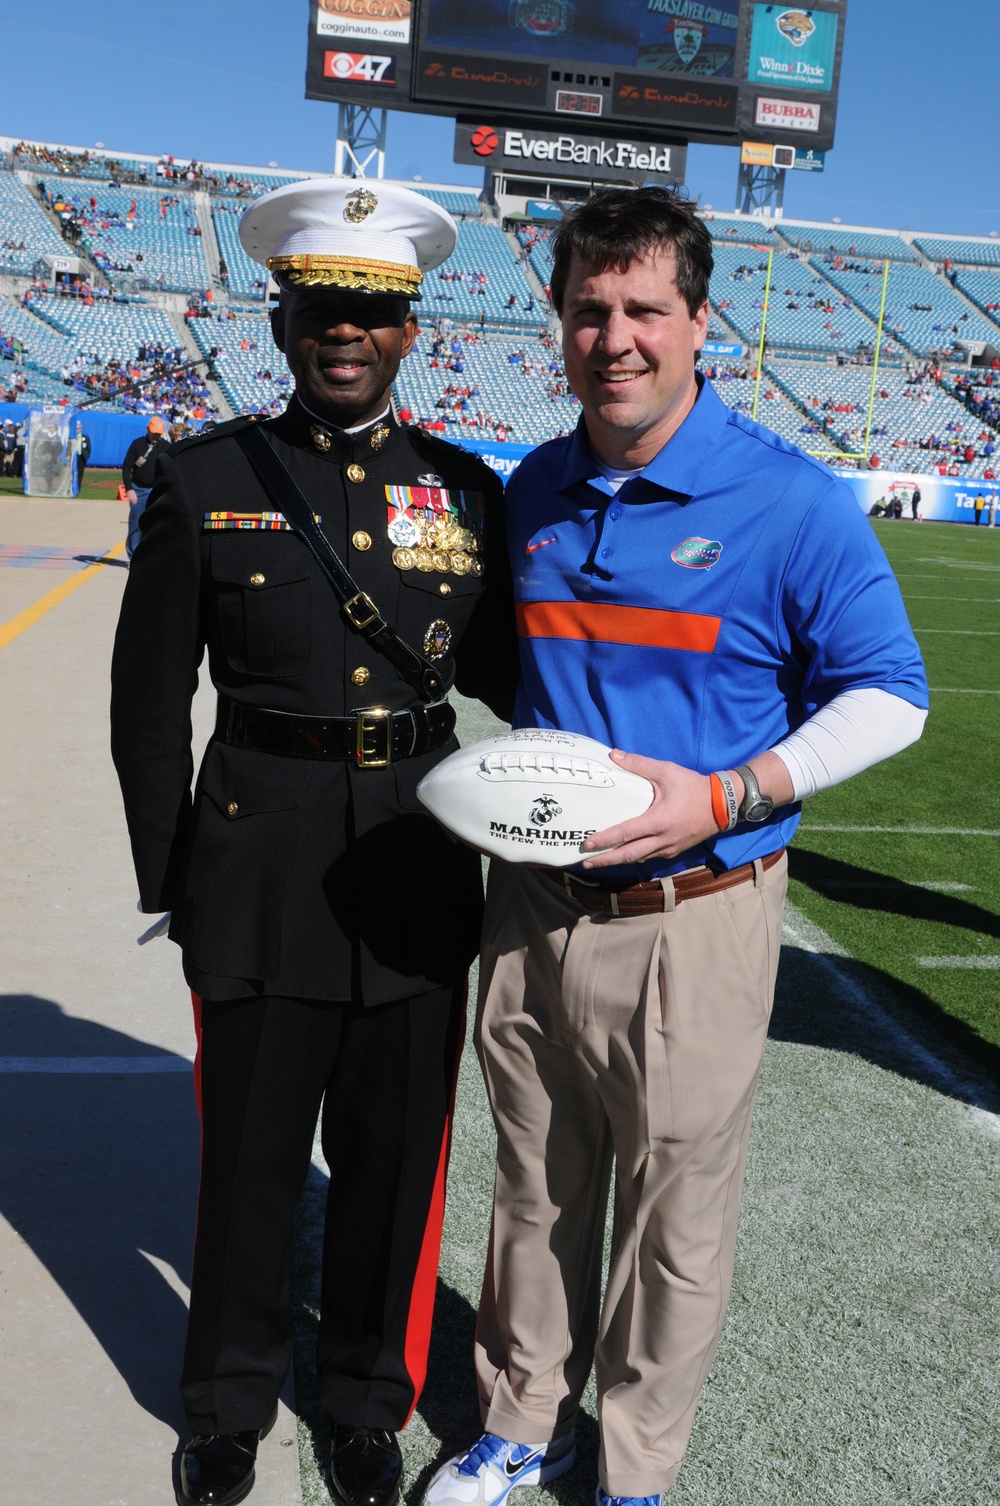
(696, 553)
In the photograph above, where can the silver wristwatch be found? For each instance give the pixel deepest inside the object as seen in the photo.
(754, 806)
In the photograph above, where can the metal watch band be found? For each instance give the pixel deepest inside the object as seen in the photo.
(752, 796)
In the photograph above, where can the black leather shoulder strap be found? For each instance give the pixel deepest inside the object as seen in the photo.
(356, 605)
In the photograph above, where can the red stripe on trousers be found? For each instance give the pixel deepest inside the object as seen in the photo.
(604, 622)
(418, 1322)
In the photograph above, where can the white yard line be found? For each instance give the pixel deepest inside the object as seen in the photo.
(961, 632)
(910, 831)
(959, 690)
(943, 886)
(803, 933)
(117, 1066)
(984, 964)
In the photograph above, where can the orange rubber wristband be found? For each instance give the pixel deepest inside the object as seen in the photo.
(720, 809)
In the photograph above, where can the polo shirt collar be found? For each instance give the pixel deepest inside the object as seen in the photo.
(679, 466)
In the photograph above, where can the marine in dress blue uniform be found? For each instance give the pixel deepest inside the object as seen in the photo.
(326, 922)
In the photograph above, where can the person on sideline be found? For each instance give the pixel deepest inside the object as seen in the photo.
(703, 601)
(327, 923)
(137, 476)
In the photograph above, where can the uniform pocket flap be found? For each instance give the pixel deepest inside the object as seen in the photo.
(429, 583)
(242, 782)
(259, 559)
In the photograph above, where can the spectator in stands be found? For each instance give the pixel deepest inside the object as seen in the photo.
(137, 476)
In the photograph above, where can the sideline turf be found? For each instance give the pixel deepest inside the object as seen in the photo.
(864, 888)
(99, 485)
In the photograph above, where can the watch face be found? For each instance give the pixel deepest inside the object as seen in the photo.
(759, 810)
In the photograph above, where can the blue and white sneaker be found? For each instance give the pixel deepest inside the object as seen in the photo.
(603, 1499)
(492, 1468)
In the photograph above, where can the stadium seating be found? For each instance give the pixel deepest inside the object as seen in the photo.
(984, 290)
(245, 352)
(482, 248)
(910, 411)
(510, 380)
(456, 202)
(23, 223)
(739, 230)
(822, 239)
(243, 272)
(150, 248)
(922, 309)
(962, 252)
(804, 312)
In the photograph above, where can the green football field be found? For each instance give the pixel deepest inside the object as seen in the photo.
(860, 1363)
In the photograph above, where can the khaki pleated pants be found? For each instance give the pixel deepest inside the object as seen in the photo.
(636, 1040)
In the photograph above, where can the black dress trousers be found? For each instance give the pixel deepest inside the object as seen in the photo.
(265, 1065)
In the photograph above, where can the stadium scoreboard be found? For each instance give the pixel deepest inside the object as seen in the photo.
(718, 71)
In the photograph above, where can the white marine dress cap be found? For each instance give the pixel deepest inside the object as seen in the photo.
(366, 236)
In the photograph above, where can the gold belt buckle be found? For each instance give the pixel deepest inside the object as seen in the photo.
(361, 611)
(373, 738)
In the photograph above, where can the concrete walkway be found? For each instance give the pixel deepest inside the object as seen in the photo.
(97, 1118)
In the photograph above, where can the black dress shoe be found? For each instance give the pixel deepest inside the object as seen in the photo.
(217, 1469)
(366, 1466)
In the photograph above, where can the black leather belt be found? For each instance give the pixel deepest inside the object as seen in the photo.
(369, 739)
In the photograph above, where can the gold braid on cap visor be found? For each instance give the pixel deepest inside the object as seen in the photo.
(354, 273)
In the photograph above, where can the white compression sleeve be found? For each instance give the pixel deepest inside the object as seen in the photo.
(853, 731)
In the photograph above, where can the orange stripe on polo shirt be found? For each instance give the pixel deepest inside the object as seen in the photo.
(603, 622)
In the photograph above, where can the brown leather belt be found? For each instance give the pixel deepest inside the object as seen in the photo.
(647, 899)
(370, 739)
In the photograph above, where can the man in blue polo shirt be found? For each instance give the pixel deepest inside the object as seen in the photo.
(696, 591)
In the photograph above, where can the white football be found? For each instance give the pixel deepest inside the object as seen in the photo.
(532, 796)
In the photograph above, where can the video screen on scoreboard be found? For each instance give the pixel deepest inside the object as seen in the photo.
(690, 37)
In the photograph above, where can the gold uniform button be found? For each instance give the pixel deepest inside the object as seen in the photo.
(362, 540)
(444, 588)
(355, 472)
(232, 809)
(257, 579)
(361, 675)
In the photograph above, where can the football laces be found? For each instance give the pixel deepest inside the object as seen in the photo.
(548, 765)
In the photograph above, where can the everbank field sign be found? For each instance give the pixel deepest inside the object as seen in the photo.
(566, 154)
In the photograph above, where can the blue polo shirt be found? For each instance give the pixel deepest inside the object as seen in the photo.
(704, 611)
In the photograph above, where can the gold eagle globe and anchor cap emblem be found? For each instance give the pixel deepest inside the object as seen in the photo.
(360, 205)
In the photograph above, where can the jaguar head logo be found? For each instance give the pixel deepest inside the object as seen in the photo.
(796, 26)
(545, 809)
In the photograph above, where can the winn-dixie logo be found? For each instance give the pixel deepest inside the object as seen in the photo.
(697, 554)
(598, 153)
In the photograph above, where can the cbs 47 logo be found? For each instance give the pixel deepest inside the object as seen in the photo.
(359, 68)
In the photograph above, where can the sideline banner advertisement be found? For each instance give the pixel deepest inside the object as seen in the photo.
(943, 499)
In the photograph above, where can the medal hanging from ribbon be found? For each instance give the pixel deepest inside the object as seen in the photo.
(432, 528)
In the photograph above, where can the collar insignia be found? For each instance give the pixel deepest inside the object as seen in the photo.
(380, 434)
(320, 438)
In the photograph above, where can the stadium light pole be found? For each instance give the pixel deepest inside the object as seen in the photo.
(360, 138)
(763, 331)
(878, 348)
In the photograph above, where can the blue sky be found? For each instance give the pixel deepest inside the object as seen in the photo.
(914, 146)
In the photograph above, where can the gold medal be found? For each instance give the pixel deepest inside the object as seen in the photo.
(477, 567)
(355, 472)
(441, 561)
(404, 559)
(424, 560)
(461, 563)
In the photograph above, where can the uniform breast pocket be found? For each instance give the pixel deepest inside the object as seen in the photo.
(264, 594)
(432, 619)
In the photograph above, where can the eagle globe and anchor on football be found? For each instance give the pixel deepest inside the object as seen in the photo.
(533, 795)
